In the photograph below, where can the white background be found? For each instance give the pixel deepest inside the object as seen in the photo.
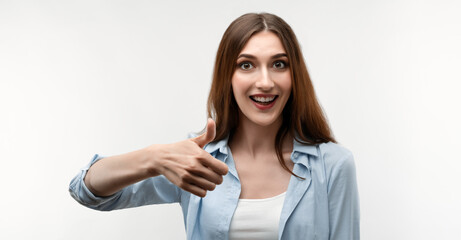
(85, 77)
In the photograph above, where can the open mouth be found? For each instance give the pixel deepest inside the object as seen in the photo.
(264, 100)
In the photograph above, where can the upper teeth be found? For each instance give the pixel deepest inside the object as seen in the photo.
(264, 99)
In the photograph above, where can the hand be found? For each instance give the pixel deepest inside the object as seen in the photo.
(190, 167)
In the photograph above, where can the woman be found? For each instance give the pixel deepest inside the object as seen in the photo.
(267, 166)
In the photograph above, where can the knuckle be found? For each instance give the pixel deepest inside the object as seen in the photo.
(185, 176)
(182, 185)
(203, 154)
(192, 165)
(197, 152)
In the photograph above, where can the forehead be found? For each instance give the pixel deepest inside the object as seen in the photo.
(263, 43)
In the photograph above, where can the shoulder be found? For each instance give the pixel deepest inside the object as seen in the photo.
(333, 152)
(336, 157)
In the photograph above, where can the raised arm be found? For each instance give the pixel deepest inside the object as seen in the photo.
(184, 164)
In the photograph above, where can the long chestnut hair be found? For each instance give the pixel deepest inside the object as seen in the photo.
(302, 116)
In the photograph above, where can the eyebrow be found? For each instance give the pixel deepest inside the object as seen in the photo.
(253, 57)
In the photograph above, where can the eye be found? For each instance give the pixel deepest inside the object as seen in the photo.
(245, 65)
(280, 64)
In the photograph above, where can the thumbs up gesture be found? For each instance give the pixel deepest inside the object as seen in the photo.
(208, 135)
(190, 167)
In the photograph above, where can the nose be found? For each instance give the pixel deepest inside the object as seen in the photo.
(264, 82)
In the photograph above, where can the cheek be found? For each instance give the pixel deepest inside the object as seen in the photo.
(239, 85)
(286, 83)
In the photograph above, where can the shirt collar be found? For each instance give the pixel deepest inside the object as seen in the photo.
(303, 148)
(221, 145)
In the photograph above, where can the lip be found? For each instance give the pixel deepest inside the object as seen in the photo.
(261, 106)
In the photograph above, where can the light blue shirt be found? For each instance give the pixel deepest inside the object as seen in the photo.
(323, 206)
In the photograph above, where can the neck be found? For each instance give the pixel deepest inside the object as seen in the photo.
(253, 138)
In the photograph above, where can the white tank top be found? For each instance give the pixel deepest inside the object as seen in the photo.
(257, 219)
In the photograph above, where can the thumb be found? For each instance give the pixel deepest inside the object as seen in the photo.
(208, 135)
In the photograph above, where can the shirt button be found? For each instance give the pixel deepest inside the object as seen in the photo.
(295, 155)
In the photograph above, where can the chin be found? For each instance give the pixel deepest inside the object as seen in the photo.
(264, 121)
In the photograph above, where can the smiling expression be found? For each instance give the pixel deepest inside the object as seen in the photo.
(261, 82)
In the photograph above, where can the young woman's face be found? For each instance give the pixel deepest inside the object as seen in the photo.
(261, 82)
